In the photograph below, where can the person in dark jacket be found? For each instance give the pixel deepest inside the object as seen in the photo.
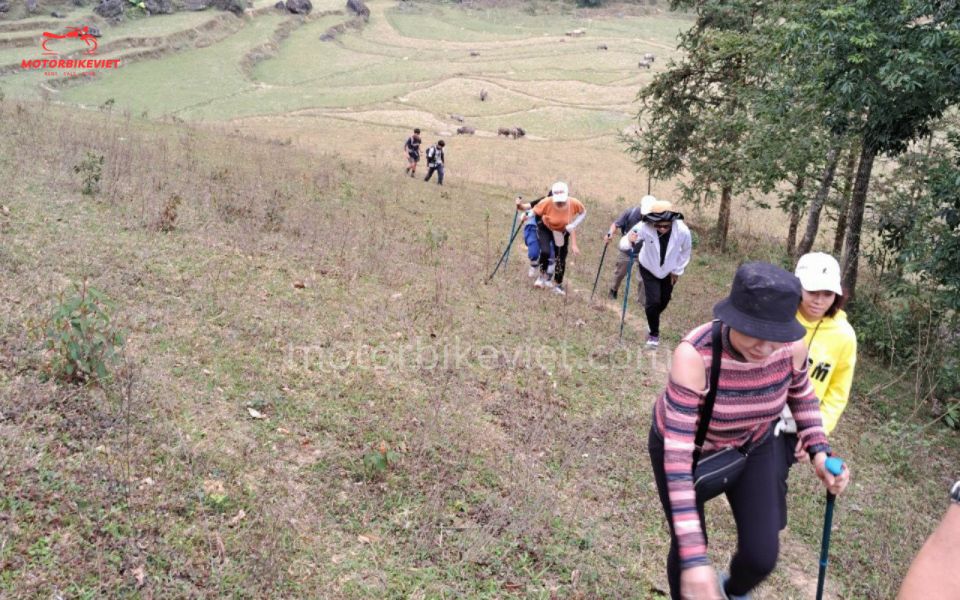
(411, 150)
(625, 222)
(436, 161)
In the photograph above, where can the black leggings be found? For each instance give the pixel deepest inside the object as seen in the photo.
(657, 293)
(545, 240)
(756, 510)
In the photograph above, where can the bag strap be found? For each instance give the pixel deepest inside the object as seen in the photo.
(707, 411)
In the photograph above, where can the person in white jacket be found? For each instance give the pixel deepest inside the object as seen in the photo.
(662, 244)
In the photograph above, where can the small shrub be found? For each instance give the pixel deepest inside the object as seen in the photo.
(378, 462)
(81, 341)
(90, 170)
(168, 216)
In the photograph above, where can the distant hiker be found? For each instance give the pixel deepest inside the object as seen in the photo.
(558, 216)
(625, 222)
(411, 149)
(662, 245)
(832, 353)
(760, 367)
(533, 244)
(435, 161)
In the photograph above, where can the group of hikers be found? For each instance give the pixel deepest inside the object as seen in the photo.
(435, 157)
(749, 394)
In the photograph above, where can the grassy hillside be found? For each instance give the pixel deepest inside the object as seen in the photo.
(347, 308)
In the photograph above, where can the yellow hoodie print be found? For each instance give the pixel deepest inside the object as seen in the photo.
(831, 361)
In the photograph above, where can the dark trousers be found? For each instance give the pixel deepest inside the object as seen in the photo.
(657, 294)
(545, 239)
(439, 169)
(756, 511)
(785, 459)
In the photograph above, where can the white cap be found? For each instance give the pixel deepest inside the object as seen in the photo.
(819, 272)
(646, 203)
(560, 192)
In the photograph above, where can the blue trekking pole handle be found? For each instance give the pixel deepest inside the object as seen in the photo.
(516, 213)
(835, 466)
(626, 292)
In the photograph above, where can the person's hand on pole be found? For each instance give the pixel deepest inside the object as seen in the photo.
(699, 583)
(835, 484)
(673, 278)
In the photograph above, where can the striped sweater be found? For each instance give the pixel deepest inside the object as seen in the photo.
(749, 397)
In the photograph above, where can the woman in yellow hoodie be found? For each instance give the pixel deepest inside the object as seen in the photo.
(832, 352)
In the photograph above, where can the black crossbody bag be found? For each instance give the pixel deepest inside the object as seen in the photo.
(719, 470)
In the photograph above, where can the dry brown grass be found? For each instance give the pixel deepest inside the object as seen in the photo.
(525, 478)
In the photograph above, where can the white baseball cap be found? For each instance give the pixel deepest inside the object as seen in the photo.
(559, 191)
(646, 203)
(819, 272)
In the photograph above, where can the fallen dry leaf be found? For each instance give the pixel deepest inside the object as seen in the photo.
(6, 210)
(140, 574)
(213, 486)
(396, 296)
(299, 284)
(241, 514)
(256, 414)
(282, 431)
(367, 539)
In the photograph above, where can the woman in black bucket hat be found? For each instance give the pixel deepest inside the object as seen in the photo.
(728, 382)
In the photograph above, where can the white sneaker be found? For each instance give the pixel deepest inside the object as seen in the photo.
(540, 282)
(533, 271)
(559, 291)
(548, 282)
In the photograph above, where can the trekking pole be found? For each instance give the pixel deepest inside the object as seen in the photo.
(626, 292)
(516, 213)
(505, 252)
(599, 267)
(835, 466)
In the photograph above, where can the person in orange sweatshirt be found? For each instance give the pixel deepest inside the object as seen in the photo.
(558, 215)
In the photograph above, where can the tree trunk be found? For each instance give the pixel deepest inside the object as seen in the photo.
(816, 205)
(723, 220)
(795, 214)
(844, 207)
(858, 201)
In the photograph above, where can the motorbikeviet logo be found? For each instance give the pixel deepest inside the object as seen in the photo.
(77, 66)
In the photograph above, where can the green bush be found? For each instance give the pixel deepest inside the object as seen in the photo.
(90, 170)
(79, 338)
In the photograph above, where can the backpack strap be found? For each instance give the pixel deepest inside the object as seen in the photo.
(706, 411)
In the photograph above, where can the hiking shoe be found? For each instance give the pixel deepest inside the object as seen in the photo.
(533, 271)
(723, 579)
(653, 341)
(612, 294)
(540, 282)
(559, 291)
(548, 282)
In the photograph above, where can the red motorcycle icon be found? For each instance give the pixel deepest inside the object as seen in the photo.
(81, 33)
